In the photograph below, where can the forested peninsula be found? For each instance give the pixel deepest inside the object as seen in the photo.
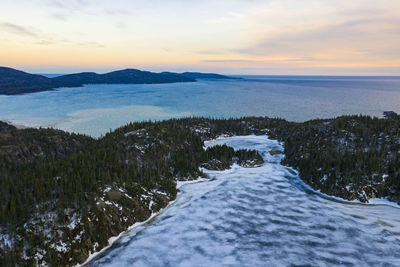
(15, 82)
(62, 195)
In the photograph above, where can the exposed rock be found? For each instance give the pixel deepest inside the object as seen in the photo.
(274, 152)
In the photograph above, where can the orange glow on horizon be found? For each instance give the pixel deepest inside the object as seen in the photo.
(241, 37)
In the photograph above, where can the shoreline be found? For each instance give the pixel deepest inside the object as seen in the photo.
(112, 240)
(371, 202)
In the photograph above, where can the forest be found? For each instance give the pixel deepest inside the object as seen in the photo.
(62, 195)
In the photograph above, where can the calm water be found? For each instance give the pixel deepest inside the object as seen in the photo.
(95, 109)
(260, 217)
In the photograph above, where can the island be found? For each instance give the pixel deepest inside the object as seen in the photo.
(63, 195)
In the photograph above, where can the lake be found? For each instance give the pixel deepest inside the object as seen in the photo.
(95, 109)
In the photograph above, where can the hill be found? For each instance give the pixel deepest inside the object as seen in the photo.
(13, 82)
(127, 76)
(18, 82)
(199, 75)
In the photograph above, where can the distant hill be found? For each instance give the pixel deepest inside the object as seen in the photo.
(14, 82)
(18, 82)
(199, 75)
(127, 76)
(77, 79)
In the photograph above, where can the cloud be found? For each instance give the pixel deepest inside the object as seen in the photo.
(230, 18)
(44, 42)
(211, 52)
(117, 12)
(43, 39)
(60, 16)
(66, 10)
(220, 34)
(348, 37)
(90, 44)
(302, 59)
(55, 41)
(225, 60)
(67, 4)
(17, 29)
(56, 3)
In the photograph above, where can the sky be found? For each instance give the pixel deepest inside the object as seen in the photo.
(269, 37)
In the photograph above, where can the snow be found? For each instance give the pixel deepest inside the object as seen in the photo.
(383, 201)
(38, 256)
(6, 239)
(79, 236)
(129, 133)
(179, 184)
(140, 148)
(214, 217)
(128, 196)
(118, 206)
(151, 204)
(144, 197)
(159, 192)
(137, 132)
(137, 225)
(239, 219)
(130, 230)
(74, 222)
(60, 247)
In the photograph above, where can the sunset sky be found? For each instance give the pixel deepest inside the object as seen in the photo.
(340, 37)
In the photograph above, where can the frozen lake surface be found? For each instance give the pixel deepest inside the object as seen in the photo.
(261, 216)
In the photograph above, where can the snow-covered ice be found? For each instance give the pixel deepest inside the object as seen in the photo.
(262, 216)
